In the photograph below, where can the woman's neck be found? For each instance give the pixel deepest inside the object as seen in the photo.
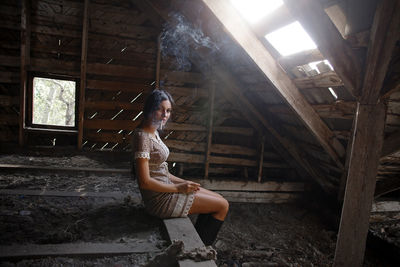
(148, 127)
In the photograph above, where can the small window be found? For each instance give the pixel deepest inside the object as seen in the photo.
(53, 103)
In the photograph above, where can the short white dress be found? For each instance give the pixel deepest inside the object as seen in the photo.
(159, 204)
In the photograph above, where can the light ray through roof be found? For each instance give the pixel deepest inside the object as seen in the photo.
(254, 10)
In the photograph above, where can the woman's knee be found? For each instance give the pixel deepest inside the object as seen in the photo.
(224, 205)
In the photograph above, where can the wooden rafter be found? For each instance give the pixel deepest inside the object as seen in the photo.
(330, 42)
(228, 16)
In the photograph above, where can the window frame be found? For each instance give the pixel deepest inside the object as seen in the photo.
(29, 110)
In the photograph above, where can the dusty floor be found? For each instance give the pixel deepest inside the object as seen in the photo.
(253, 234)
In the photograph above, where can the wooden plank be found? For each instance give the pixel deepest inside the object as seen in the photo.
(70, 68)
(360, 186)
(337, 110)
(324, 33)
(25, 62)
(215, 148)
(228, 185)
(117, 86)
(120, 71)
(110, 124)
(10, 61)
(183, 230)
(385, 32)
(197, 158)
(386, 206)
(113, 105)
(391, 144)
(8, 119)
(229, 17)
(326, 79)
(8, 101)
(77, 249)
(209, 128)
(20, 167)
(186, 91)
(181, 76)
(135, 197)
(82, 91)
(10, 77)
(258, 197)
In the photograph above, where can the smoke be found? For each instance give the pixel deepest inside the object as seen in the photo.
(179, 41)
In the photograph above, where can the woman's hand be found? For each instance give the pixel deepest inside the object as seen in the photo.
(187, 187)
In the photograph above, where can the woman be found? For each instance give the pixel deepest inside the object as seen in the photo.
(164, 194)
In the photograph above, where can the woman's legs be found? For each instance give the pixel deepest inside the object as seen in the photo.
(206, 201)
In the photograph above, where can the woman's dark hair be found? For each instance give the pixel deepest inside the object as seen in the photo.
(154, 100)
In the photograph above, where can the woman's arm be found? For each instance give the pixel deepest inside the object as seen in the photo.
(148, 183)
(177, 180)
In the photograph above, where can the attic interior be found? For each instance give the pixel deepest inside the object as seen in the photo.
(281, 131)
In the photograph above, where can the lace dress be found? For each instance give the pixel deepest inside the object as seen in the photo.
(160, 204)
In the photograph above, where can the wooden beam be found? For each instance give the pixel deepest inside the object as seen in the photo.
(81, 110)
(228, 185)
(110, 124)
(117, 86)
(229, 17)
(324, 33)
(386, 206)
(360, 187)
(210, 127)
(25, 62)
(385, 32)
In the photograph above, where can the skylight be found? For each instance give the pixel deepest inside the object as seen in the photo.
(254, 10)
(291, 39)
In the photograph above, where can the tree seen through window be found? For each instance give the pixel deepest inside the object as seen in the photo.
(53, 102)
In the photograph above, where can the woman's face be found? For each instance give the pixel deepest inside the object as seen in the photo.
(162, 114)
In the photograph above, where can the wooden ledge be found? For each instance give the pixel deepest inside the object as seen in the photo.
(182, 229)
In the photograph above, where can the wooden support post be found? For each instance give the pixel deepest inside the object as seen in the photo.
(360, 187)
(367, 140)
(210, 127)
(260, 165)
(158, 64)
(25, 62)
(85, 27)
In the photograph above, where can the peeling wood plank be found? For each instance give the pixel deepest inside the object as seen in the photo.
(386, 206)
(267, 64)
(326, 79)
(319, 26)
